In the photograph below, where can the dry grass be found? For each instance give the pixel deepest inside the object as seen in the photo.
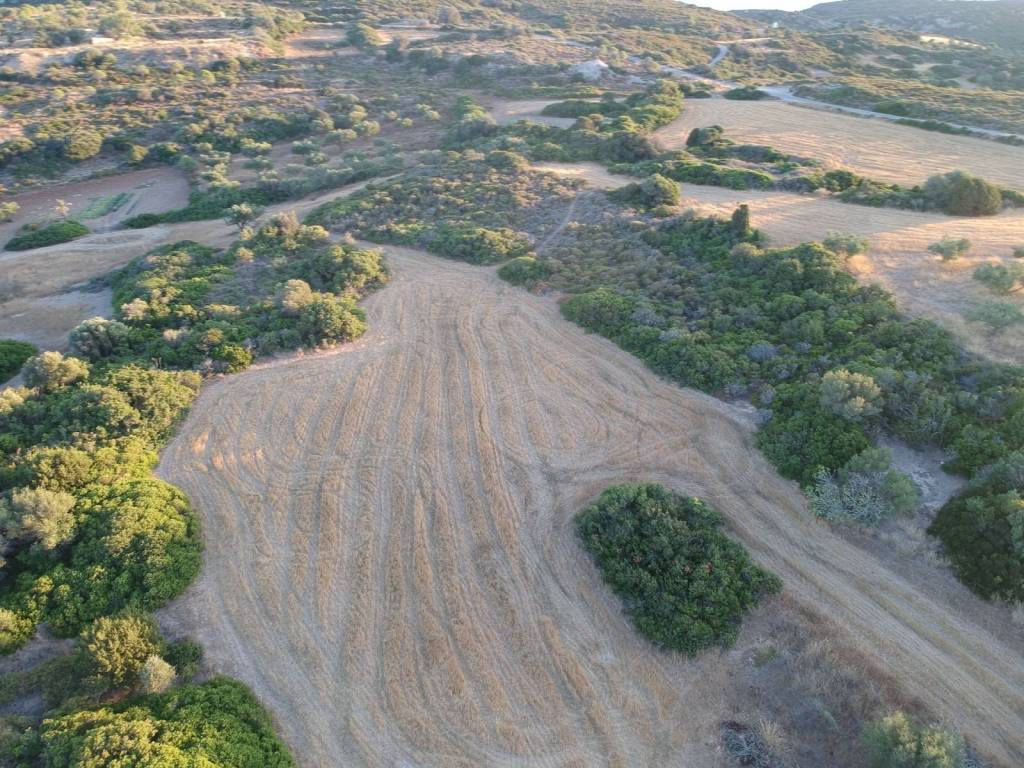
(391, 562)
(875, 148)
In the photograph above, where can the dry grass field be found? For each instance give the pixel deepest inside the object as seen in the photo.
(391, 563)
(875, 148)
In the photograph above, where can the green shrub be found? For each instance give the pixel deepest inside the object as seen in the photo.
(117, 648)
(1001, 278)
(845, 243)
(652, 192)
(524, 270)
(950, 248)
(477, 245)
(684, 583)
(982, 530)
(900, 741)
(51, 234)
(13, 355)
(746, 93)
(961, 194)
(216, 723)
(866, 490)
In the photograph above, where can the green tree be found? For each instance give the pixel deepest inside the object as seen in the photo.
(685, 583)
(899, 741)
(242, 215)
(156, 675)
(117, 648)
(961, 194)
(741, 221)
(41, 515)
(51, 370)
(853, 396)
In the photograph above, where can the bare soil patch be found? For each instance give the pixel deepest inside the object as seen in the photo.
(391, 562)
(595, 174)
(876, 148)
(153, 190)
(508, 112)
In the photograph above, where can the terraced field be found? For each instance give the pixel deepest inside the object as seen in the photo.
(391, 563)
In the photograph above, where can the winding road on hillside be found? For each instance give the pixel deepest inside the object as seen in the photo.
(391, 562)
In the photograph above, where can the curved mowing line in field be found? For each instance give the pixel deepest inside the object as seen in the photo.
(391, 562)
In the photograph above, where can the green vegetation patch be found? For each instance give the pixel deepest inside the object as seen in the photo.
(216, 723)
(685, 584)
(51, 234)
(13, 355)
(102, 206)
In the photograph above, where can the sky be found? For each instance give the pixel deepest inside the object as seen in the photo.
(734, 5)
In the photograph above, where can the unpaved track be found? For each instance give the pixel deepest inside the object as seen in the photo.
(391, 564)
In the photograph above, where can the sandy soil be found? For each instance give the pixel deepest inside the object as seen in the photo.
(882, 150)
(507, 112)
(898, 257)
(594, 174)
(391, 563)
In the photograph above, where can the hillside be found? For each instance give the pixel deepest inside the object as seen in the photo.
(994, 22)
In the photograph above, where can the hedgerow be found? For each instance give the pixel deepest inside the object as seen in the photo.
(685, 584)
(51, 234)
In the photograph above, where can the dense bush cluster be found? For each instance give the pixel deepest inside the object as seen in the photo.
(84, 530)
(49, 234)
(481, 209)
(218, 722)
(830, 362)
(684, 583)
(13, 355)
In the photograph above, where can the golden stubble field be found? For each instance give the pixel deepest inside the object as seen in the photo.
(391, 563)
(877, 148)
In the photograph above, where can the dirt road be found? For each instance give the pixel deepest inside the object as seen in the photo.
(391, 564)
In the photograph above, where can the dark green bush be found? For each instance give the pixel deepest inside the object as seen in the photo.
(685, 584)
(13, 355)
(51, 234)
(983, 531)
(216, 723)
(524, 270)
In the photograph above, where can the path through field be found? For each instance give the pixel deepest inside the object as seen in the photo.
(391, 563)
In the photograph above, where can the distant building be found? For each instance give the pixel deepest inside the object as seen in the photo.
(591, 71)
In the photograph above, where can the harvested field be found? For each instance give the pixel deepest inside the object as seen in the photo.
(391, 563)
(875, 148)
(898, 258)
